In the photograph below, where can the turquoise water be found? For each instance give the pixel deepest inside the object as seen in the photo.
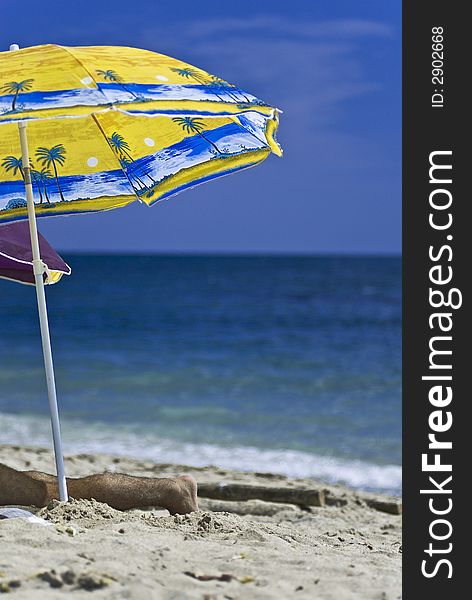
(288, 364)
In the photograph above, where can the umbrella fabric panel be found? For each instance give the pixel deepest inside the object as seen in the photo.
(163, 155)
(107, 160)
(50, 80)
(16, 255)
(43, 77)
(74, 170)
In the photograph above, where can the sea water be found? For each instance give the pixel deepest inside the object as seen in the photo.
(289, 364)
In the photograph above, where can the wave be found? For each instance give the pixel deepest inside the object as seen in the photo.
(82, 437)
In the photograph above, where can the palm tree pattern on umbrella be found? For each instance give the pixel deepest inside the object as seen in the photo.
(229, 86)
(194, 125)
(15, 88)
(128, 164)
(110, 75)
(52, 157)
(14, 164)
(42, 179)
(189, 73)
(35, 176)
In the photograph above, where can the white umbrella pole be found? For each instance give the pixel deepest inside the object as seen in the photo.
(38, 270)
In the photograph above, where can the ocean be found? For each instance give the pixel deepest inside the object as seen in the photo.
(288, 364)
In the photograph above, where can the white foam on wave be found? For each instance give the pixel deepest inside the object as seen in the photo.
(81, 437)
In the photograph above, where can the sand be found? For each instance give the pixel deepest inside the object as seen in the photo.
(227, 550)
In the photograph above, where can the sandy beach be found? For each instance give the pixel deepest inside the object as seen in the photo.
(348, 548)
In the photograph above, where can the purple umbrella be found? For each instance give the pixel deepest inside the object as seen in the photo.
(16, 257)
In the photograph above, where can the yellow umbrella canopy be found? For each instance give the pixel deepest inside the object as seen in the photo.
(109, 125)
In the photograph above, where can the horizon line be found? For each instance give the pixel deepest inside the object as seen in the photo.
(235, 253)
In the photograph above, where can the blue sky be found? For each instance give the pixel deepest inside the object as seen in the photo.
(334, 68)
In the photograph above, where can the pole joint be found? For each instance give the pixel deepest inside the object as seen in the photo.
(27, 173)
(39, 267)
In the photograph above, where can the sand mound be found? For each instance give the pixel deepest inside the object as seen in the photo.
(204, 523)
(90, 513)
(79, 510)
(221, 525)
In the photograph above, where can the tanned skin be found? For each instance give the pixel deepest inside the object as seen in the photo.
(34, 488)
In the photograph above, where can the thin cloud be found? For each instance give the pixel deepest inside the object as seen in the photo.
(309, 70)
(273, 25)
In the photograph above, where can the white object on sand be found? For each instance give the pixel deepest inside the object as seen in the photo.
(19, 513)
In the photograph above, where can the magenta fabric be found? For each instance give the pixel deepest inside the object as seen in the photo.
(16, 255)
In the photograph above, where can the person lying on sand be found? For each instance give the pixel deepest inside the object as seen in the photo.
(34, 488)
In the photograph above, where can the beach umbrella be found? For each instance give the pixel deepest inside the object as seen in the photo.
(16, 256)
(86, 129)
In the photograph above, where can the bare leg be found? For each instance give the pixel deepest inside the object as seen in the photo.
(19, 488)
(120, 491)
